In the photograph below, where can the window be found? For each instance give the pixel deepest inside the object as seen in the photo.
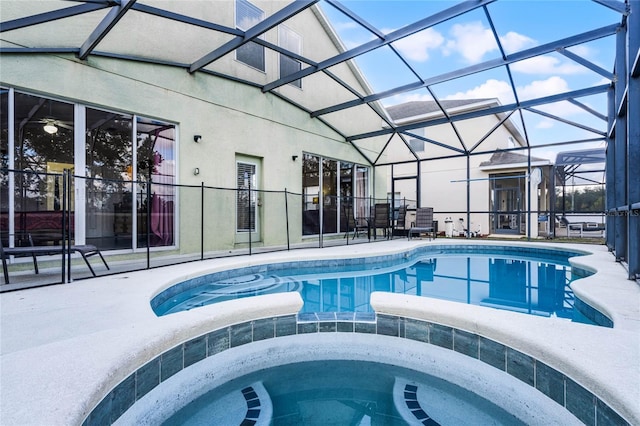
(292, 42)
(124, 175)
(417, 145)
(329, 187)
(247, 15)
(246, 197)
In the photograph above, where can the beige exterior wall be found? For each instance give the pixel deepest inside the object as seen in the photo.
(233, 119)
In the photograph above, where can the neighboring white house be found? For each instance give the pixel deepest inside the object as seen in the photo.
(141, 125)
(497, 173)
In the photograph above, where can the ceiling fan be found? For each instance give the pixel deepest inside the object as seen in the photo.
(51, 125)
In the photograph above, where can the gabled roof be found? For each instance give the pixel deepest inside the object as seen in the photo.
(500, 159)
(421, 108)
(425, 111)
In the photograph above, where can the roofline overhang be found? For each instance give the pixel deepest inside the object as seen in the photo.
(450, 111)
(514, 166)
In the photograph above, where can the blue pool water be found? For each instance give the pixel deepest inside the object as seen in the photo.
(534, 282)
(333, 392)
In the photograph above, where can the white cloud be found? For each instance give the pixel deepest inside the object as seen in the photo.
(545, 124)
(346, 25)
(536, 89)
(540, 88)
(490, 89)
(582, 50)
(514, 42)
(416, 47)
(547, 65)
(471, 40)
(501, 90)
(551, 86)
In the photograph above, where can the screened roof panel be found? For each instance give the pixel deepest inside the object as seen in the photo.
(372, 148)
(389, 15)
(554, 50)
(317, 84)
(399, 150)
(206, 11)
(420, 94)
(69, 32)
(395, 72)
(155, 39)
(542, 130)
(16, 9)
(489, 84)
(356, 121)
(560, 19)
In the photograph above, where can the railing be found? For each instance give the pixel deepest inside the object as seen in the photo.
(145, 224)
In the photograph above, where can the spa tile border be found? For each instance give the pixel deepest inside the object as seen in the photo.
(581, 402)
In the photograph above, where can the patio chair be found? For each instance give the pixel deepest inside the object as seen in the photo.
(423, 223)
(355, 224)
(401, 221)
(32, 250)
(382, 219)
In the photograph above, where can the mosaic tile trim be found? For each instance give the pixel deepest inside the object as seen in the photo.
(554, 384)
(253, 406)
(412, 403)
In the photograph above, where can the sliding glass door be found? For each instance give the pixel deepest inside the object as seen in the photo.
(328, 184)
(121, 194)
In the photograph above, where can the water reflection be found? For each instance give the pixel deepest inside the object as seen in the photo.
(517, 285)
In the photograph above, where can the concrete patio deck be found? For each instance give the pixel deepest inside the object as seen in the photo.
(63, 347)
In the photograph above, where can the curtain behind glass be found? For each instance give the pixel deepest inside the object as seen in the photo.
(156, 175)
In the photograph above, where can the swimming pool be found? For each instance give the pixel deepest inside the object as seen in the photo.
(209, 347)
(529, 281)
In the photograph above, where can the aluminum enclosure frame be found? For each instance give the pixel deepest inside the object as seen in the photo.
(622, 137)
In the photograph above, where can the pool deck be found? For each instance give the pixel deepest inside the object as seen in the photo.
(63, 347)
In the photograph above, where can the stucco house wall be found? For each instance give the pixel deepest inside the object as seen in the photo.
(234, 119)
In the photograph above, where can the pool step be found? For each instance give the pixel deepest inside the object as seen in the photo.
(405, 396)
(259, 407)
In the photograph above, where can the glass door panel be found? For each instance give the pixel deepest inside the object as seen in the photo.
(247, 215)
(156, 193)
(507, 208)
(43, 149)
(346, 201)
(109, 164)
(310, 195)
(330, 196)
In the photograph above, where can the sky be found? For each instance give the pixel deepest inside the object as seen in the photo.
(468, 40)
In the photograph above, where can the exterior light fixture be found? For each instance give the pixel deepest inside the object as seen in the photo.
(197, 138)
(50, 128)
(294, 157)
(196, 171)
